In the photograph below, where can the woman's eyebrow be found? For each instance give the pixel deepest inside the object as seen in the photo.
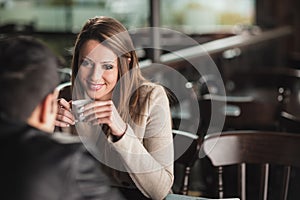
(108, 61)
(102, 62)
(87, 58)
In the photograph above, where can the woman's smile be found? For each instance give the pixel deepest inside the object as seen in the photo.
(95, 86)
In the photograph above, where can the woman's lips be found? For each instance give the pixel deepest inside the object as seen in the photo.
(94, 86)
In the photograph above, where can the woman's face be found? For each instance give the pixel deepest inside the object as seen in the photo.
(98, 70)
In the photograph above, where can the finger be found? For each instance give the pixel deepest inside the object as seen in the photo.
(63, 103)
(100, 115)
(98, 110)
(97, 104)
(66, 113)
(65, 119)
(65, 116)
(61, 124)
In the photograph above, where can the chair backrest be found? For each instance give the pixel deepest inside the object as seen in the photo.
(254, 147)
(65, 74)
(242, 111)
(65, 91)
(186, 150)
(266, 77)
(186, 147)
(289, 122)
(290, 113)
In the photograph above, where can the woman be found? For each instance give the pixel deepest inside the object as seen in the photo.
(134, 114)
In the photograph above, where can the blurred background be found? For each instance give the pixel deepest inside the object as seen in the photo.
(69, 15)
(58, 21)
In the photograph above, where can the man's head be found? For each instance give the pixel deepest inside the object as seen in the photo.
(28, 77)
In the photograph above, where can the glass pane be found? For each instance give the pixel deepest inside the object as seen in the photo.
(198, 16)
(69, 15)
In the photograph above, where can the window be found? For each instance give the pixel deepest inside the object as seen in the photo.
(69, 15)
(198, 16)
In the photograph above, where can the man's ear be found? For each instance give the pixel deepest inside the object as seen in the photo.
(46, 108)
(49, 107)
(43, 116)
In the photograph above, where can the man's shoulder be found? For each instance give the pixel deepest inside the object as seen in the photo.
(65, 138)
(50, 148)
(51, 140)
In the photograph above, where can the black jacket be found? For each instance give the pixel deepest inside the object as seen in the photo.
(37, 166)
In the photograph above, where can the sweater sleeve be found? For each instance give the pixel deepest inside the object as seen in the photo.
(149, 161)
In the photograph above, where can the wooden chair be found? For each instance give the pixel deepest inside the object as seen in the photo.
(244, 111)
(65, 74)
(65, 91)
(289, 122)
(266, 77)
(186, 150)
(290, 114)
(245, 148)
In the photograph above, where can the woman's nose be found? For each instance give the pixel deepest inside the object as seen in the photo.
(96, 73)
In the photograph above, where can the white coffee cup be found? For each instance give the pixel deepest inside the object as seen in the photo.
(78, 107)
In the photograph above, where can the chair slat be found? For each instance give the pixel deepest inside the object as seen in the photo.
(243, 181)
(286, 181)
(265, 181)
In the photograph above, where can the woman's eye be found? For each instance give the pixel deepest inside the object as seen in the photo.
(86, 63)
(108, 66)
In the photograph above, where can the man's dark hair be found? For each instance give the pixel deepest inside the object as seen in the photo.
(28, 73)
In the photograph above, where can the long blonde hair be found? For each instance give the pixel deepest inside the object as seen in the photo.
(112, 34)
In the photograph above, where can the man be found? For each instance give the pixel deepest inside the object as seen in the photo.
(35, 165)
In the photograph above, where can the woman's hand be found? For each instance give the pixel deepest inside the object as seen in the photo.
(105, 112)
(64, 116)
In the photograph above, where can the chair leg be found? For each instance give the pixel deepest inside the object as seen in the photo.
(185, 186)
(220, 182)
